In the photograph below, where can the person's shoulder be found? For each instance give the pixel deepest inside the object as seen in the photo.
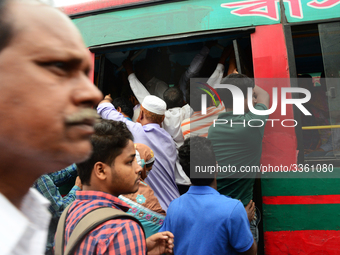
(118, 225)
(227, 199)
(260, 106)
(173, 111)
(227, 203)
(176, 203)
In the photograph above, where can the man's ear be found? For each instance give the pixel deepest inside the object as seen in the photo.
(141, 116)
(100, 170)
(119, 109)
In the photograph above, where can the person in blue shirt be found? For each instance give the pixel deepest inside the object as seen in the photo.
(202, 220)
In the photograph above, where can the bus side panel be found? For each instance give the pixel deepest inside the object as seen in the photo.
(271, 70)
(300, 216)
(303, 242)
(279, 143)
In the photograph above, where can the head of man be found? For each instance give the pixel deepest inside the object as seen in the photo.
(124, 106)
(112, 167)
(173, 97)
(46, 95)
(152, 111)
(145, 158)
(197, 152)
(243, 83)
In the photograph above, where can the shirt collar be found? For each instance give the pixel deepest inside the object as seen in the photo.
(202, 190)
(225, 114)
(150, 126)
(15, 223)
(99, 195)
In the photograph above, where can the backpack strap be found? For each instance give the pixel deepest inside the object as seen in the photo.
(89, 222)
(59, 236)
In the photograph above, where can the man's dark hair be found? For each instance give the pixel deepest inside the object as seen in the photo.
(173, 97)
(241, 81)
(6, 28)
(108, 142)
(197, 151)
(125, 105)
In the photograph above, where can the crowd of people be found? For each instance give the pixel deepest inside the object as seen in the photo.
(135, 189)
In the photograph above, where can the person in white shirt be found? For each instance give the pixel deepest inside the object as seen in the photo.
(199, 124)
(177, 109)
(45, 108)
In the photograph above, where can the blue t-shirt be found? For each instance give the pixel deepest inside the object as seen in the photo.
(205, 222)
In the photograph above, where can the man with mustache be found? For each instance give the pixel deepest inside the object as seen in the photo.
(45, 112)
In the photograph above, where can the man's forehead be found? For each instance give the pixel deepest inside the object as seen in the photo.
(130, 149)
(45, 27)
(34, 15)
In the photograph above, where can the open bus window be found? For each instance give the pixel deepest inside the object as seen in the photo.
(166, 61)
(317, 60)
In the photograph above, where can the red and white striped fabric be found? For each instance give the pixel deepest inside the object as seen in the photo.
(199, 124)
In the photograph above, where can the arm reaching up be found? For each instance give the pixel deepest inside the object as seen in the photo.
(137, 87)
(217, 75)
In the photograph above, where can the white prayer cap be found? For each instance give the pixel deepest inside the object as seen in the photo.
(154, 104)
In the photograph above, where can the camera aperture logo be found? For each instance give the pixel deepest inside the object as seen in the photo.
(204, 97)
(238, 104)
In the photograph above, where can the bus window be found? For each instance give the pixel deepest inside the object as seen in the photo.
(166, 61)
(329, 34)
(317, 66)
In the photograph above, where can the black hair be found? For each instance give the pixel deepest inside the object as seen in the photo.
(108, 142)
(6, 28)
(173, 97)
(241, 81)
(197, 151)
(125, 105)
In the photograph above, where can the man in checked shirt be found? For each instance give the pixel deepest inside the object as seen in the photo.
(47, 185)
(112, 170)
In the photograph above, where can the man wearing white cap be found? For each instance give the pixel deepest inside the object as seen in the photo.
(148, 131)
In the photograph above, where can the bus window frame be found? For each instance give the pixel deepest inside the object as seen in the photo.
(287, 28)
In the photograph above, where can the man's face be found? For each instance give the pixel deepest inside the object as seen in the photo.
(44, 88)
(125, 172)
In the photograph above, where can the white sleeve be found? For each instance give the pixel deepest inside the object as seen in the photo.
(137, 88)
(217, 75)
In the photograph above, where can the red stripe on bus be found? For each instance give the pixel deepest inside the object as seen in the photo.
(96, 5)
(301, 200)
(302, 242)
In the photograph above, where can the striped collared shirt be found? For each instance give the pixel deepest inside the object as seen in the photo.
(118, 236)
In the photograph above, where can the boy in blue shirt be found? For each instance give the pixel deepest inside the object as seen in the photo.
(202, 220)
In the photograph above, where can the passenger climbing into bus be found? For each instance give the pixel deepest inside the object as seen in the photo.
(239, 145)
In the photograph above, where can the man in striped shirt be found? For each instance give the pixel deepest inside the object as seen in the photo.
(198, 124)
(112, 170)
